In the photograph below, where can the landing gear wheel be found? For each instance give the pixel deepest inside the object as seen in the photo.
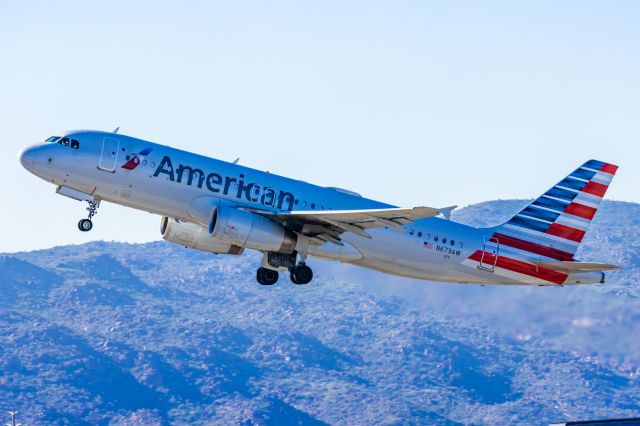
(301, 274)
(266, 276)
(85, 225)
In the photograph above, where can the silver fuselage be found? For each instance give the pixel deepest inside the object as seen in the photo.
(430, 249)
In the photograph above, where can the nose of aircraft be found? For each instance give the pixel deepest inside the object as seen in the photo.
(27, 157)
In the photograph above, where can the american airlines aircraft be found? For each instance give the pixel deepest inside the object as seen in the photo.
(225, 208)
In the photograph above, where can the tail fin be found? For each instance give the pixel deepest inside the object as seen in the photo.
(554, 224)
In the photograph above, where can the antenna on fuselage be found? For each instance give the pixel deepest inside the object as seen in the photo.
(116, 130)
(236, 160)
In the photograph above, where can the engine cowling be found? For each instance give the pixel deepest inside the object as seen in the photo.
(195, 236)
(250, 230)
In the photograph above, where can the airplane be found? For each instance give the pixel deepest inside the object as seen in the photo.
(225, 208)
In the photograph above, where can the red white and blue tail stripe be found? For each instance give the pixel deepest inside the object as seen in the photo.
(551, 227)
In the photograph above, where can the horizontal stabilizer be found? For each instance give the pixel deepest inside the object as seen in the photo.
(569, 267)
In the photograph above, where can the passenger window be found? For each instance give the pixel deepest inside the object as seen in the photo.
(444, 241)
(75, 144)
(410, 231)
(419, 234)
(64, 141)
(435, 238)
(313, 205)
(453, 243)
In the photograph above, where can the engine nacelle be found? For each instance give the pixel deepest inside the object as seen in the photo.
(250, 230)
(195, 236)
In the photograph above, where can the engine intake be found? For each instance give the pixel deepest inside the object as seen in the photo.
(195, 236)
(250, 230)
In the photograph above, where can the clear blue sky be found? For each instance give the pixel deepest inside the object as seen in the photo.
(409, 102)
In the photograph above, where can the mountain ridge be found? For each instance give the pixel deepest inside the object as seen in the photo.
(154, 333)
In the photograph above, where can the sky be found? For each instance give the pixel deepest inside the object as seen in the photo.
(432, 103)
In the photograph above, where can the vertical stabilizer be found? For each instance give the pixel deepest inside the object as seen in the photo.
(554, 224)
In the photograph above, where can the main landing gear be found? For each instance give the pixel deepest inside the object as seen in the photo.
(85, 225)
(299, 273)
(266, 276)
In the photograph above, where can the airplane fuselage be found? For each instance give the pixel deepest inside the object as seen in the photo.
(175, 183)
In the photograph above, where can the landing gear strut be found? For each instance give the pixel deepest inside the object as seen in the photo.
(86, 225)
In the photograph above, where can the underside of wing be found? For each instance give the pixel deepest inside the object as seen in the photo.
(327, 225)
(569, 267)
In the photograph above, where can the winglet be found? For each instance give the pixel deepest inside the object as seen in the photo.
(446, 211)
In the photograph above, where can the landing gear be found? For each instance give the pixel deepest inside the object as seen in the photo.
(266, 276)
(85, 225)
(273, 262)
(301, 274)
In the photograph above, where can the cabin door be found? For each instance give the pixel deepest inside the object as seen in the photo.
(490, 253)
(109, 155)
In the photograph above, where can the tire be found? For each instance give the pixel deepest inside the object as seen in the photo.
(85, 225)
(266, 276)
(301, 275)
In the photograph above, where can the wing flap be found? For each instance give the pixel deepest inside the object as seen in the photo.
(363, 216)
(567, 266)
(329, 224)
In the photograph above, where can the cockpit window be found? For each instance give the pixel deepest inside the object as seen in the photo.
(65, 141)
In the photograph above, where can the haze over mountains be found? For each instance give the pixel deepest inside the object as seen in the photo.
(108, 333)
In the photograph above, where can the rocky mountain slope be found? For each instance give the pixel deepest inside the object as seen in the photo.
(108, 333)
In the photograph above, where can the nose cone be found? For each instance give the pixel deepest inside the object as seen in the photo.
(28, 156)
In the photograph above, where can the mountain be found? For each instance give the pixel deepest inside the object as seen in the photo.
(109, 333)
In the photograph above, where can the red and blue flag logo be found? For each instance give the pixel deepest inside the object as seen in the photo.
(136, 159)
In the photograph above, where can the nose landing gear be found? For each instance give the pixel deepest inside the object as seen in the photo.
(85, 225)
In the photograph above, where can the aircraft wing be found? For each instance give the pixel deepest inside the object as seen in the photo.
(327, 225)
(569, 267)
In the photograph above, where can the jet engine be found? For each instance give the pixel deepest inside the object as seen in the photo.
(245, 229)
(195, 236)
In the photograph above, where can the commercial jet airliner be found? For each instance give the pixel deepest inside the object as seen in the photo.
(225, 208)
